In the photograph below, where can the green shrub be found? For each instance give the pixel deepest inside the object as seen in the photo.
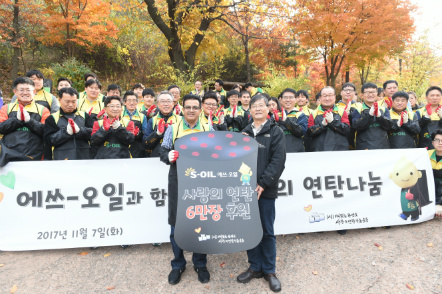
(277, 82)
(71, 69)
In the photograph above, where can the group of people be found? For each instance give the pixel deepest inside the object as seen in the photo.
(37, 125)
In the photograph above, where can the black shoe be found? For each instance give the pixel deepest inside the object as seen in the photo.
(248, 275)
(274, 283)
(342, 232)
(203, 274)
(175, 276)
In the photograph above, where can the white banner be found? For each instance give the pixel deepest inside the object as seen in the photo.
(353, 189)
(68, 204)
(97, 203)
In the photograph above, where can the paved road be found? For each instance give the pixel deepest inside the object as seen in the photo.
(308, 263)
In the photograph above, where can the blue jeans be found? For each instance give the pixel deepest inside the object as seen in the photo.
(263, 257)
(178, 262)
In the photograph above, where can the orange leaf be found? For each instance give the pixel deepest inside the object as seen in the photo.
(430, 244)
(207, 287)
(107, 254)
(1, 196)
(277, 258)
(110, 288)
(315, 273)
(297, 237)
(13, 289)
(83, 253)
(409, 286)
(223, 264)
(232, 275)
(2, 264)
(376, 244)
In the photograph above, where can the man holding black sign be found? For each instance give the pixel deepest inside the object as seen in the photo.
(271, 161)
(188, 125)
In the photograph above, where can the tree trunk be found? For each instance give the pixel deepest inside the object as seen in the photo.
(15, 37)
(347, 76)
(400, 66)
(246, 49)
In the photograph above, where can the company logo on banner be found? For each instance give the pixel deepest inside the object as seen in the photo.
(355, 189)
(217, 205)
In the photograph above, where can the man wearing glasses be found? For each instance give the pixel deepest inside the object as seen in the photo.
(348, 94)
(209, 113)
(131, 113)
(189, 124)
(292, 121)
(157, 125)
(371, 121)
(328, 126)
(111, 135)
(430, 117)
(271, 164)
(22, 125)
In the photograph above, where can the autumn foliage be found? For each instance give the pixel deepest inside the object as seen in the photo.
(78, 22)
(352, 31)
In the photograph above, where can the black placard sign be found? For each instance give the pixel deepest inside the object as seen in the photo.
(217, 203)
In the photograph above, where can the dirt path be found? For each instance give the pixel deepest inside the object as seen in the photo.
(308, 263)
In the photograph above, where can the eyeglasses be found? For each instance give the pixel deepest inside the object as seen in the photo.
(437, 141)
(211, 104)
(24, 90)
(371, 93)
(348, 90)
(131, 101)
(288, 97)
(259, 106)
(188, 107)
(165, 102)
(114, 106)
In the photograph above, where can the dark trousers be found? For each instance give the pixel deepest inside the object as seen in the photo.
(414, 213)
(263, 257)
(178, 262)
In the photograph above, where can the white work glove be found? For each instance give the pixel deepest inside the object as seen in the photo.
(221, 118)
(69, 130)
(116, 124)
(439, 210)
(173, 156)
(235, 112)
(348, 107)
(329, 117)
(26, 117)
(324, 122)
(404, 117)
(379, 113)
(283, 114)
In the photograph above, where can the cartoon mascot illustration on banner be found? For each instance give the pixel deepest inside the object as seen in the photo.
(414, 189)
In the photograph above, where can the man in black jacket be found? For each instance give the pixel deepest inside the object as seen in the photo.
(68, 131)
(271, 163)
(328, 125)
(371, 121)
(112, 135)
